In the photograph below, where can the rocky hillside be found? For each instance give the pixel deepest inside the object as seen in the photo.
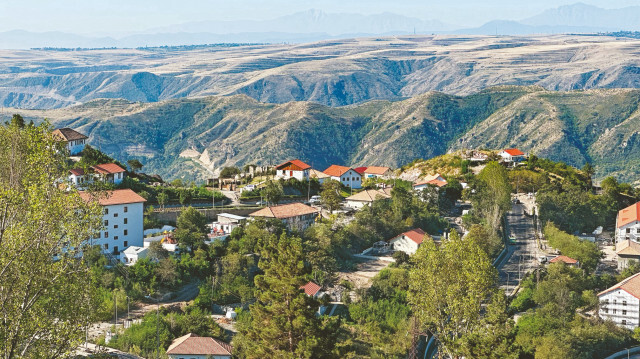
(333, 73)
(189, 138)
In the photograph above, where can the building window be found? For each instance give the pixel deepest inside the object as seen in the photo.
(115, 250)
(628, 230)
(615, 311)
(624, 302)
(126, 232)
(106, 234)
(615, 302)
(126, 244)
(106, 222)
(638, 230)
(605, 310)
(106, 246)
(624, 322)
(115, 237)
(115, 215)
(115, 226)
(125, 209)
(606, 301)
(106, 211)
(125, 220)
(624, 312)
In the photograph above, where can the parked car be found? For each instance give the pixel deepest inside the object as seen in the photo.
(314, 200)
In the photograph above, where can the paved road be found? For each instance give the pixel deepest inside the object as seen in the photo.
(521, 257)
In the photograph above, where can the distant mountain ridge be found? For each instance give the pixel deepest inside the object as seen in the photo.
(188, 138)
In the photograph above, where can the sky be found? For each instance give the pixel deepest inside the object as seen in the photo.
(118, 17)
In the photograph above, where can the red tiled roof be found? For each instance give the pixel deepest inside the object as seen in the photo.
(108, 168)
(311, 289)
(77, 171)
(284, 211)
(565, 259)
(336, 171)
(118, 196)
(630, 285)
(514, 152)
(432, 179)
(377, 170)
(298, 163)
(416, 235)
(629, 215)
(68, 134)
(191, 344)
(360, 170)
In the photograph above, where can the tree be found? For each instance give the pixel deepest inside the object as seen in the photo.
(134, 165)
(162, 199)
(17, 121)
(229, 172)
(448, 284)
(493, 196)
(185, 197)
(273, 192)
(191, 228)
(282, 323)
(490, 243)
(330, 195)
(37, 222)
(157, 251)
(166, 271)
(589, 171)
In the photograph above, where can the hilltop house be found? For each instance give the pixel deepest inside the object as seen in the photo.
(627, 252)
(296, 216)
(108, 173)
(367, 197)
(191, 346)
(313, 290)
(409, 241)
(512, 155)
(621, 303)
(433, 180)
(377, 172)
(628, 224)
(122, 220)
(74, 140)
(345, 175)
(293, 169)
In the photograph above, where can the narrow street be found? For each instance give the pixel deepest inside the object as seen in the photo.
(522, 256)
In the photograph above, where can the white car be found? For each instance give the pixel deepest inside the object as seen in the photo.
(314, 200)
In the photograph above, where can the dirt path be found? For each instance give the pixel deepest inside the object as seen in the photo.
(361, 277)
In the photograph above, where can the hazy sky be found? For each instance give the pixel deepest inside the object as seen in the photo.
(121, 16)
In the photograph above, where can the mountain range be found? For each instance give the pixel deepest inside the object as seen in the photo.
(190, 138)
(334, 73)
(316, 25)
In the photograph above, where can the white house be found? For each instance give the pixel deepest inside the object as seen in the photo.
(293, 169)
(511, 155)
(131, 255)
(78, 178)
(621, 303)
(110, 172)
(191, 346)
(122, 219)
(628, 224)
(319, 175)
(345, 175)
(409, 241)
(74, 140)
(227, 222)
(433, 180)
(296, 216)
(377, 172)
(367, 197)
(627, 252)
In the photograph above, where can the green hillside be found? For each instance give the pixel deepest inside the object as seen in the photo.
(599, 126)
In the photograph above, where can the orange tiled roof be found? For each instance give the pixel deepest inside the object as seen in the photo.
(565, 259)
(302, 165)
(191, 344)
(377, 170)
(433, 179)
(108, 168)
(514, 152)
(630, 285)
(336, 171)
(77, 171)
(360, 170)
(629, 215)
(118, 196)
(311, 289)
(68, 134)
(284, 211)
(416, 235)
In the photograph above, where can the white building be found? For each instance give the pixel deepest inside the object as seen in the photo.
(628, 224)
(377, 172)
(366, 197)
(293, 169)
(191, 346)
(122, 217)
(74, 140)
(131, 255)
(432, 180)
(319, 175)
(621, 303)
(227, 222)
(107, 172)
(627, 252)
(511, 155)
(296, 216)
(409, 241)
(345, 175)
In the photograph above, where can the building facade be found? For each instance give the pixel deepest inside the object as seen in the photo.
(408, 242)
(345, 175)
(122, 219)
(366, 197)
(295, 216)
(628, 224)
(293, 169)
(621, 303)
(377, 172)
(511, 155)
(432, 180)
(74, 140)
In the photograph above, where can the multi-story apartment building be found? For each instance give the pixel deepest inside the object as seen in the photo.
(621, 303)
(628, 224)
(122, 217)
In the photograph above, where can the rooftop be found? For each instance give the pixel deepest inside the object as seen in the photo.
(630, 285)
(232, 216)
(108, 198)
(311, 289)
(284, 211)
(436, 180)
(336, 171)
(565, 259)
(514, 152)
(108, 168)
(318, 174)
(629, 215)
(416, 235)
(628, 247)
(68, 134)
(377, 170)
(369, 195)
(191, 344)
(298, 163)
